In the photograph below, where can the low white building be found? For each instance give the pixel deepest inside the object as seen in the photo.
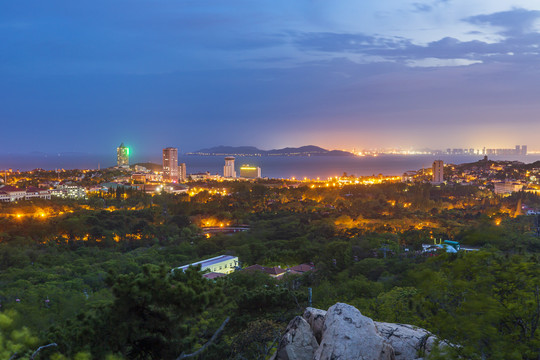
(10, 193)
(37, 193)
(224, 264)
(175, 189)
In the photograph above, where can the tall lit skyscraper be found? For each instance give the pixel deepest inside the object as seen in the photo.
(438, 172)
(228, 169)
(523, 149)
(170, 164)
(122, 156)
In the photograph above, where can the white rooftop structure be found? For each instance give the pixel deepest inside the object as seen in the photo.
(224, 264)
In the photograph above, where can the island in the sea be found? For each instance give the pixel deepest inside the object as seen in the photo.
(309, 150)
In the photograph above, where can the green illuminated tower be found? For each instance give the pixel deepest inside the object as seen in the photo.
(122, 156)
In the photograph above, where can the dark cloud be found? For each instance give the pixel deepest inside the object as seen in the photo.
(515, 22)
(395, 48)
(519, 45)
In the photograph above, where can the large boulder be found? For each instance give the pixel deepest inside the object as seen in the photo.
(298, 342)
(409, 342)
(349, 335)
(315, 319)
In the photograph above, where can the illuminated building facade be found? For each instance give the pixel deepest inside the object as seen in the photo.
(182, 175)
(250, 172)
(69, 191)
(228, 169)
(37, 193)
(504, 187)
(10, 193)
(122, 156)
(138, 178)
(170, 164)
(438, 172)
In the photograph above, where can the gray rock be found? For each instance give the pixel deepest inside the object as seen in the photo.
(349, 335)
(409, 342)
(298, 342)
(315, 319)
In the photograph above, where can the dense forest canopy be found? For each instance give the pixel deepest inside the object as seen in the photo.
(94, 276)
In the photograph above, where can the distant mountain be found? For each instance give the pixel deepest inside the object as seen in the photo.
(309, 150)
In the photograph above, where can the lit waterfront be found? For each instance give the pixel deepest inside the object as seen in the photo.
(271, 166)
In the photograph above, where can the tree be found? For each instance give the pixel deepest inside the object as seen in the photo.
(14, 341)
(149, 317)
(487, 303)
(257, 340)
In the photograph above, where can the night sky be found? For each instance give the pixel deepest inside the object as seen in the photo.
(84, 76)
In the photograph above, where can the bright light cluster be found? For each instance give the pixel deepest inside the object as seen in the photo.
(195, 190)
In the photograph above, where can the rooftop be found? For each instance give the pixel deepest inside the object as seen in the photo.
(213, 275)
(275, 270)
(210, 262)
(9, 188)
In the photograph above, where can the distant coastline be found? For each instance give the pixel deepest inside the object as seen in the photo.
(271, 166)
(309, 150)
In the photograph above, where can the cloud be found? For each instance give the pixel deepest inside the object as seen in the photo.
(422, 7)
(519, 44)
(515, 22)
(355, 43)
(392, 47)
(435, 62)
(429, 6)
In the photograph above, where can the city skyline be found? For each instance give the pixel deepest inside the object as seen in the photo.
(339, 75)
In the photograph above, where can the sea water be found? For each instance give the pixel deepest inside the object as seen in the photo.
(299, 167)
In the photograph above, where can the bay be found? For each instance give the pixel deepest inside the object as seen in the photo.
(298, 167)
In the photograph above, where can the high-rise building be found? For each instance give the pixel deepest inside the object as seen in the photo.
(438, 172)
(170, 164)
(523, 149)
(122, 156)
(228, 169)
(250, 172)
(182, 175)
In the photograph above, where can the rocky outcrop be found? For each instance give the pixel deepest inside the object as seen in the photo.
(315, 319)
(298, 343)
(349, 335)
(408, 341)
(343, 333)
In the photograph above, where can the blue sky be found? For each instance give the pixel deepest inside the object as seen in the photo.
(87, 75)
